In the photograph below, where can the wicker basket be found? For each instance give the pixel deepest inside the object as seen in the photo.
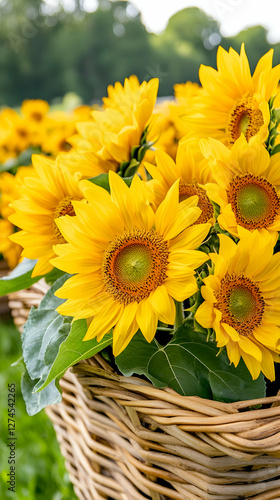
(123, 439)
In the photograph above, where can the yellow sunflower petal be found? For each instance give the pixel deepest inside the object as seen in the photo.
(163, 305)
(125, 329)
(104, 320)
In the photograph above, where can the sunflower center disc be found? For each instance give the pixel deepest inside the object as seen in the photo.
(245, 118)
(254, 201)
(134, 265)
(240, 303)
(205, 205)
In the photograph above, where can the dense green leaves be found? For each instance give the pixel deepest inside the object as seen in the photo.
(191, 366)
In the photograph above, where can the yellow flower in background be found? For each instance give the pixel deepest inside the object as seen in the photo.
(10, 186)
(44, 198)
(232, 101)
(192, 177)
(109, 139)
(247, 185)
(35, 109)
(36, 126)
(10, 251)
(167, 127)
(133, 96)
(242, 301)
(129, 262)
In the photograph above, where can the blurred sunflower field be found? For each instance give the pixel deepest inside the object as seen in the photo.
(155, 224)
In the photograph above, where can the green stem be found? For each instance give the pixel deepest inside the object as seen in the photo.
(179, 314)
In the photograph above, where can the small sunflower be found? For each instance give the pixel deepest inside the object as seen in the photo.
(131, 263)
(35, 109)
(247, 187)
(9, 192)
(242, 301)
(45, 197)
(109, 139)
(232, 101)
(192, 177)
(10, 251)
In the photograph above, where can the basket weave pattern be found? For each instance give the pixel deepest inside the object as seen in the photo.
(123, 439)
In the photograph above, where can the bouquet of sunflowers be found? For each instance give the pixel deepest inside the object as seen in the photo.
(157, 233)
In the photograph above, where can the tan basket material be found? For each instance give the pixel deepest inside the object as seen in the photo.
(123, 439)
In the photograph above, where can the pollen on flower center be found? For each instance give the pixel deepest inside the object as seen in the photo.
(254, 201)
(207, 210)
(245, 118)
(134, 265)
(64, 207)
(240, 303)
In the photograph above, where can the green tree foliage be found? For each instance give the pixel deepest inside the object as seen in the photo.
(46, 51)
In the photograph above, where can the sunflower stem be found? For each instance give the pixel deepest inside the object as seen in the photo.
(179, 314)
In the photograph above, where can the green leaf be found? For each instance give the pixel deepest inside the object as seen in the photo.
(53, 275)
(36, 402)
(276, 149)
(74, 349)
(190, 365)
(43, 333)
(45, 329)
(19, 278)
(102, 180)
(131, 169)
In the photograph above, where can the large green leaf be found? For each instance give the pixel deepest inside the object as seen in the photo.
(35, 402)
(191, 366)
(43, 333)
(74, 349)
(51, 344)
(19, 278)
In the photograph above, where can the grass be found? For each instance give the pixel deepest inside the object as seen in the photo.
(40, 469)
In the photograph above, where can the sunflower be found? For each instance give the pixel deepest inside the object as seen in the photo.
(192, 177)
(232, 100)
(9, 192)
(131, 262)
(45, 198)
(110, 138)
(35, 109)
(242, 301)
(247, 185)
(167, 127)
(10, 251)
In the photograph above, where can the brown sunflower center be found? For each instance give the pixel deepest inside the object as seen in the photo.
(37, 116)
(64, 207)
(134, 265)
(64, 145)
(254, 201)
(240, 303)
(207, 210)
(244, 118)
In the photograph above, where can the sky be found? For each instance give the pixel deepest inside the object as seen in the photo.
(233, 15)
